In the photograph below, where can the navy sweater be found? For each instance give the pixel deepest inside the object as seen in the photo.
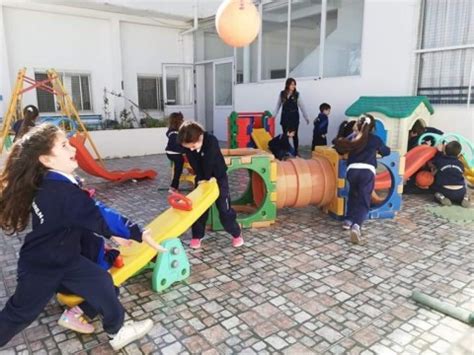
(449, 170)
(173, 145)
(321, 125)
(281, 143)
(63, 214)
(209, 161)
(368, 154)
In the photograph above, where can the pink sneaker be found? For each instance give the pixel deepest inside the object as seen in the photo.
(237, 241)
(73, 319)
(195, 243)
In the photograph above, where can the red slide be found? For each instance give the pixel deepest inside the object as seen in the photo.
(414, 160)
(89, 165)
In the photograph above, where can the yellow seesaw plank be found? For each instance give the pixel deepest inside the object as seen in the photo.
(170, 224)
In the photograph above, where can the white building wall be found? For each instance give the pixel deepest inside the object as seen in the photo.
(110, 47)
(454, 119)
(41, 40)
(4, 72)
(145, 48)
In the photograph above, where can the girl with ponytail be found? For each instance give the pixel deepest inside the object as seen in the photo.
(361, 164)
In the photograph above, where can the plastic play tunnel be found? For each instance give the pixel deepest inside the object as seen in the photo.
(300, 182)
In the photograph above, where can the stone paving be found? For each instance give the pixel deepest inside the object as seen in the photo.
(297, 287)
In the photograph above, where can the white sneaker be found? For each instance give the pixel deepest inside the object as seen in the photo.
(356, 236)
(130, 332)
(443, 200)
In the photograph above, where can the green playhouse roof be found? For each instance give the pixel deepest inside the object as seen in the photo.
(391, 106)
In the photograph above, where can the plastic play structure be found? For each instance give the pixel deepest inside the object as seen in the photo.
(415, 159)
(319, 181)
(322, 180)
(166, 228)
(70, 122)
(395, 116)
(241, 125)
(467, 157)
(261, 138)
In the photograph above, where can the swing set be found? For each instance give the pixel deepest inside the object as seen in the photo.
(52, 85)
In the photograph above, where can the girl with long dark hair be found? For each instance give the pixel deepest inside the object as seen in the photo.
(37, 180)
(290, 101)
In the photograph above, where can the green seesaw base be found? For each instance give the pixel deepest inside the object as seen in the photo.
(169, 267)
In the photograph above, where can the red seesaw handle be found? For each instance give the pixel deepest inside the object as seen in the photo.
(180, 202)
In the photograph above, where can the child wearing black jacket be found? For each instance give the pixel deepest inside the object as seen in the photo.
(206, 159)
(361, 169)
(280, 145)
(38, 178)
(449, 185)
(174, 150)
(321, 124)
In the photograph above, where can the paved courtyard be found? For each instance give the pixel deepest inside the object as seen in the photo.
(297, 287)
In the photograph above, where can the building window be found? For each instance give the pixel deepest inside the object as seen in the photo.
(46, 101)
(179, 85)
(274, 39)
(247, 63)
(447, 52)
(343, 37)
(150, 93)
(223, 75)
(305, 38)
(312, 51)
(76, 85)
(172, 91)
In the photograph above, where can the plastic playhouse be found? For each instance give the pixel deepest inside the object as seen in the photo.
(395, 116)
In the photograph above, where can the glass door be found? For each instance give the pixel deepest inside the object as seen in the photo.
(178, 89)
(223, 96)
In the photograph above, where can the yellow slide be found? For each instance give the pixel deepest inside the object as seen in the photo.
(170, 224)
(468, 171)
(261, 138)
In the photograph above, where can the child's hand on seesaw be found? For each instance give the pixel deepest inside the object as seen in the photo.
(148, 238)
(122, 241)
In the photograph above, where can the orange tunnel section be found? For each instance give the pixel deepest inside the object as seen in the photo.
(300, 182)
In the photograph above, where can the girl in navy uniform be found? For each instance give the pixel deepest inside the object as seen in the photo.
(280, 145)
(321, 123)
(449, 185)
(361, 165)
(93, 248)
(346, 130)
(206, 159)
(174, 150)
(38, 178)
(291, 101)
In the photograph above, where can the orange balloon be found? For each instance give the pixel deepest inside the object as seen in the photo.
(424, 179)
(237, 22)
